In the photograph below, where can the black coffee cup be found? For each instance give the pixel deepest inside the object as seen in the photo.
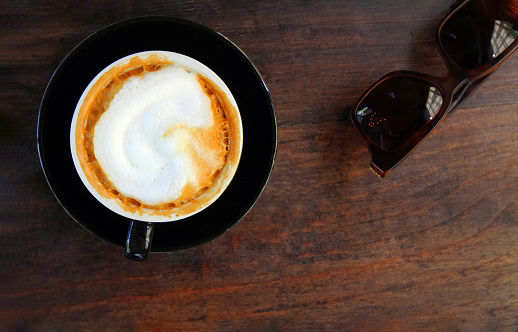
(110, 44)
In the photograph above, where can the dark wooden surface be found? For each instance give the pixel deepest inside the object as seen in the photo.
(328, 246)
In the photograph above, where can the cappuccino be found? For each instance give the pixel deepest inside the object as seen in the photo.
(158, 134)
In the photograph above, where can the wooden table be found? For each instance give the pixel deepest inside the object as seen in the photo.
(329, 246)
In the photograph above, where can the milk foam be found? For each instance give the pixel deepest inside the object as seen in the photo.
(144, 141)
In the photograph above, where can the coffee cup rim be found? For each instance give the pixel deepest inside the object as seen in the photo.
(185, 61)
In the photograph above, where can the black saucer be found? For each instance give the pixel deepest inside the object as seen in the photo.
(169, 34)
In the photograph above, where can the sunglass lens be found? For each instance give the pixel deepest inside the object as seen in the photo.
(479, 31)
(396, 109)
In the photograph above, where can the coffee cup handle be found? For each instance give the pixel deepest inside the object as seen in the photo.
(138, 241)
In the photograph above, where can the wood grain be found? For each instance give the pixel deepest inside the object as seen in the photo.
(328, 246)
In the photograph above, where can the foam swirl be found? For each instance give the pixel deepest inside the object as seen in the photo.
(156, 140)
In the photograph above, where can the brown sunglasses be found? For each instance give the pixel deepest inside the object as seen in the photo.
(401, 109)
